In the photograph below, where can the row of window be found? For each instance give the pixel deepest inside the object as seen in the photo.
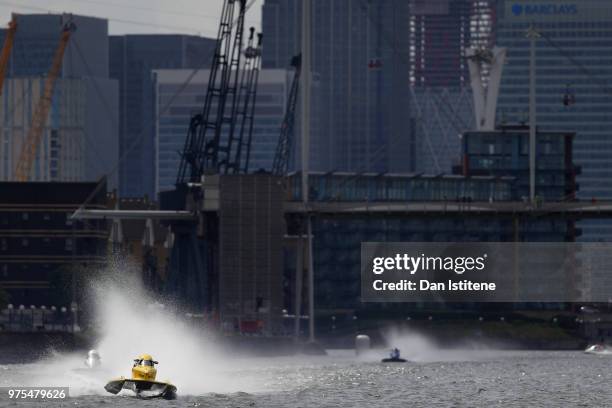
(10, 218)
(25, 243)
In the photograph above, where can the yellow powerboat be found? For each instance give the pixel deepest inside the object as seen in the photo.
(143, 381)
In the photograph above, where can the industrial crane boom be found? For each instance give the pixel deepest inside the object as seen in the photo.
(285, 139)
(6, 49)
(246, 113)
(207, 146)
(39, 118)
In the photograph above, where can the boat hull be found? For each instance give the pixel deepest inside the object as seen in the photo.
(393, 360)
(598, 349)
(142, 388)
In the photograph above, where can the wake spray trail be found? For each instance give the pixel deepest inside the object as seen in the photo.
(417, 347)
(131, 323)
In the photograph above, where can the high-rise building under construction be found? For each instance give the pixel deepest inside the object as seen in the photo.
(78, 141)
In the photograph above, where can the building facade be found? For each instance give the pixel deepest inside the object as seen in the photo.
(572, 77)
(438, 117)
(366, 57)
(362, 83)
(132, 60)
(76, 145)
(79, 141)
(44, 254)
(440, 31)
(174, 115)
(250, 295)
(37, 38)
(494, 169)
(505, 152)
(338, 237)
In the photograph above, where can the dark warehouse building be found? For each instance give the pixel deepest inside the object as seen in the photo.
(40, 245)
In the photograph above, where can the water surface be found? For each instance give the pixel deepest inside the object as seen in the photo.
(440, 378)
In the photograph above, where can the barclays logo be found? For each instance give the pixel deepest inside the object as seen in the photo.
(544, 9)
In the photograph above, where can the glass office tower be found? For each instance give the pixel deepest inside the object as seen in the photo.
(132, 61)
(574, 70)
(174, 114)
(368, 56)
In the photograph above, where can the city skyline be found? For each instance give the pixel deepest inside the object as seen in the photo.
(237, 186)
(191, 17)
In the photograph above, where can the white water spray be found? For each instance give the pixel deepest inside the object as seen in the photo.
(132, 323)
(417, 347)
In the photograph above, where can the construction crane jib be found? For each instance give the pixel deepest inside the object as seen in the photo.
(6, 49)
(284, 146)
(211, 137)
(34, 135)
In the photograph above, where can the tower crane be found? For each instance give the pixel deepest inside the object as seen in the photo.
(207, 148)
(285, 140)
(6, 49)
(214, 144)
(33, 138)
(247, 96)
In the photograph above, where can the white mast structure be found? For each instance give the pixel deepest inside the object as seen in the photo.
(305, 116)
(485, 105)
(533, 35)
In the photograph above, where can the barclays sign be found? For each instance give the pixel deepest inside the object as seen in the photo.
(545, 9)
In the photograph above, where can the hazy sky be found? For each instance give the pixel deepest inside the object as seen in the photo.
(139, 16)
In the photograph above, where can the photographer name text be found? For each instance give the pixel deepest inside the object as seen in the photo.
(424, 264)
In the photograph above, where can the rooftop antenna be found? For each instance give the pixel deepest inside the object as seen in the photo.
(305, 92)
(533, 35)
